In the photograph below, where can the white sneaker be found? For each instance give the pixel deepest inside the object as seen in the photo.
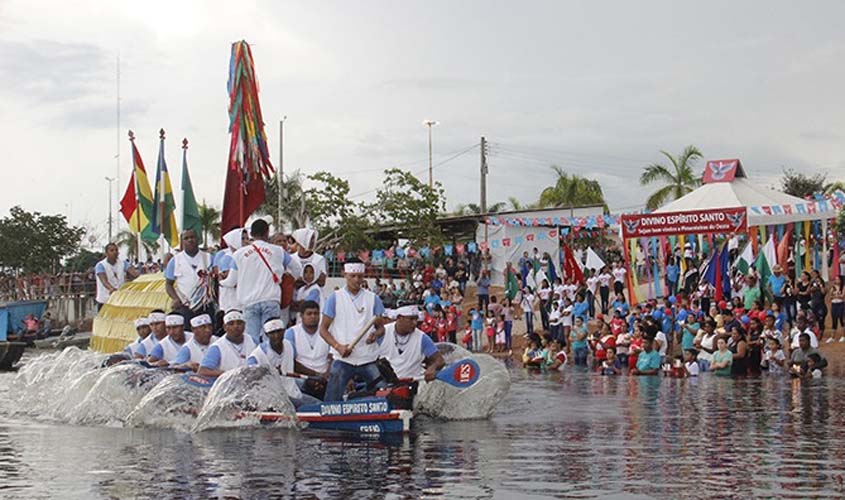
(842, 339)
(828, 341)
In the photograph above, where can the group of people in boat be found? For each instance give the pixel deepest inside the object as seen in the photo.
(320, 350)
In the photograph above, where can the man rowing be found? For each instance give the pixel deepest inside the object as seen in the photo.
(158, 331)
(191, 354)
(411, 353)
(311, 355)
(166, 350)
(231, 350)
(277, 353)
(345, 315)
(137, 349)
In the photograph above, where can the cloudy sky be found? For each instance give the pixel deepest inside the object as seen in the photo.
(598, 88)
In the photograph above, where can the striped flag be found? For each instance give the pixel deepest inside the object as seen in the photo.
(137, 202)
(164, 215)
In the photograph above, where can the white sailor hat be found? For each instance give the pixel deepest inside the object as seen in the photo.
(233, 315)
(410, 311)
(201, 320)
(156, 317)
(274, 325)
(354, 267)
(141, 322)
(174, 320)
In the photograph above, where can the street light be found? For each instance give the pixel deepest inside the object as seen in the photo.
(110, 180)
(429, 124)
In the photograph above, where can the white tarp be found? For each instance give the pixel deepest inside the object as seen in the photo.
(518, 243)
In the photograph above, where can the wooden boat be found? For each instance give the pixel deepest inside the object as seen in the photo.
(11, 316)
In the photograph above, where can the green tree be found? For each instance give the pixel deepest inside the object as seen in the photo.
(571, 190)
(412, 205)
(129, 240)
(294, 204)
(83, 261)
(339, 220)
(679, 180)
(210, 222)
(803, 186)
(32, 242)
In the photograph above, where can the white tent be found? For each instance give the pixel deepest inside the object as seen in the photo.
(741, 192)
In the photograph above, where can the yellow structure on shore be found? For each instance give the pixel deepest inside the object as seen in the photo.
(114, 325)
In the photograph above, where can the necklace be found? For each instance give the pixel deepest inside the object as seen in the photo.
(311, 338)
(354, 299)
(400, 346)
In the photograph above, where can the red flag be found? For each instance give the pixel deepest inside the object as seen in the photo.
(571, 269)
(783, 247)
(237, 205)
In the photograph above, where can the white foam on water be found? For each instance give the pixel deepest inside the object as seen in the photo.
(115, 394)
(172, 404)
(242, 391)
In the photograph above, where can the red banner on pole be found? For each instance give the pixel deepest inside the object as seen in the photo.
(719, 220)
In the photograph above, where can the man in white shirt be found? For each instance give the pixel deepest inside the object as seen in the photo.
(166, 350)
(158, 331)
(111, 273)
(311, 355)
(801, 326)
(228, 282)
(411, 353)
(230, 351)
(187, 279)
(137, 349)
(259, 267)
(191, 354)
(345, 314)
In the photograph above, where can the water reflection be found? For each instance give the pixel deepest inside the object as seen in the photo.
(564, 436)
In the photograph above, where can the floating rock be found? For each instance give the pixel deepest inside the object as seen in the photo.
(478, 401)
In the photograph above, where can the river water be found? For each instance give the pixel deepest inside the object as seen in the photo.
(570, 435)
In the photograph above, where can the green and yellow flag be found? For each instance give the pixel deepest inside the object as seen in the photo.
(164, 213)
(137, 202)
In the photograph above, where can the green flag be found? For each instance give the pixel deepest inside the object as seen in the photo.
(746, 258)
(190, 212)
(766, 260)
(511, 284)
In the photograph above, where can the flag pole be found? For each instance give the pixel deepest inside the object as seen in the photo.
(137, 201)
(184, 172)
(161, 200)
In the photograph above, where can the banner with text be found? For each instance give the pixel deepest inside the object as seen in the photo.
(719, 220)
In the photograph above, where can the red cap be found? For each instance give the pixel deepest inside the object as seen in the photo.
(723, 304)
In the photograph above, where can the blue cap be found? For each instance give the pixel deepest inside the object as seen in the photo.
(745, 319)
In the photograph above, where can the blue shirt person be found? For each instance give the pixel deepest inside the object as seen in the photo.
(648, 362)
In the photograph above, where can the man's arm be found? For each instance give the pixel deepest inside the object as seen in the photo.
(169, 280)
(210, 363)
(343, 349)
(434, 364)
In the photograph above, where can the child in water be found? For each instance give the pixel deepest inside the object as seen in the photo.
(533, 356)
(611, 364)
(690, 363)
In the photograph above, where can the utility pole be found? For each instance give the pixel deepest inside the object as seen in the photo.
(110, 180)
(429, 124)
(281, 170)
(484, 183)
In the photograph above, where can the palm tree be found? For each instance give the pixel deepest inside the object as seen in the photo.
(210, 220)
(128, 239)
(571, 190)
(680, 179)
(293, 201)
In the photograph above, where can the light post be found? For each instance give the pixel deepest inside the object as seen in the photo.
(110, 180)
(429, 124)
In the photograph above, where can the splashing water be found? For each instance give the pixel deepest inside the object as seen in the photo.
(173, 403)
(238, 393)
(478, 401)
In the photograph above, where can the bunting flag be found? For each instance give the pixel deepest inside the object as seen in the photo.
(190, 211)
(164, 213)
(249, 158)
(138, 194)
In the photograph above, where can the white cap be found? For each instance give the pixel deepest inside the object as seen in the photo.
(156, 318)
(201, 320)
(141, 322)
(274, 325)
(410, 311)
(354, 267)
(233, 315)
(174, 320)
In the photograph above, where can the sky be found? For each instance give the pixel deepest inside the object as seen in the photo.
(598, 88)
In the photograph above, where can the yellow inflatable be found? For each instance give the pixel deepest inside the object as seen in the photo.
(113, 327)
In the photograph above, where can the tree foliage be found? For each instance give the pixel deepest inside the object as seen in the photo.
(679, 179)
(801, 185)
(571, 190)
(339, 220)
(129, 240)
(406, 201)
(293, 208)
(210, 222)
(32, 242)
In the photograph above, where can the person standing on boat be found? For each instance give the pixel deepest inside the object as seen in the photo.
(191, 354)
(166, 350)
(187, 279)
(311, 355)
(137, 350)
(111, 273)
(259, 267)
(411, 353)
(231, 350)
(277, 353)
(306, 241)
(346, 312)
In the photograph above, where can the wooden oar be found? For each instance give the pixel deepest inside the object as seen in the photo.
(462, 373)
(364, 331)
